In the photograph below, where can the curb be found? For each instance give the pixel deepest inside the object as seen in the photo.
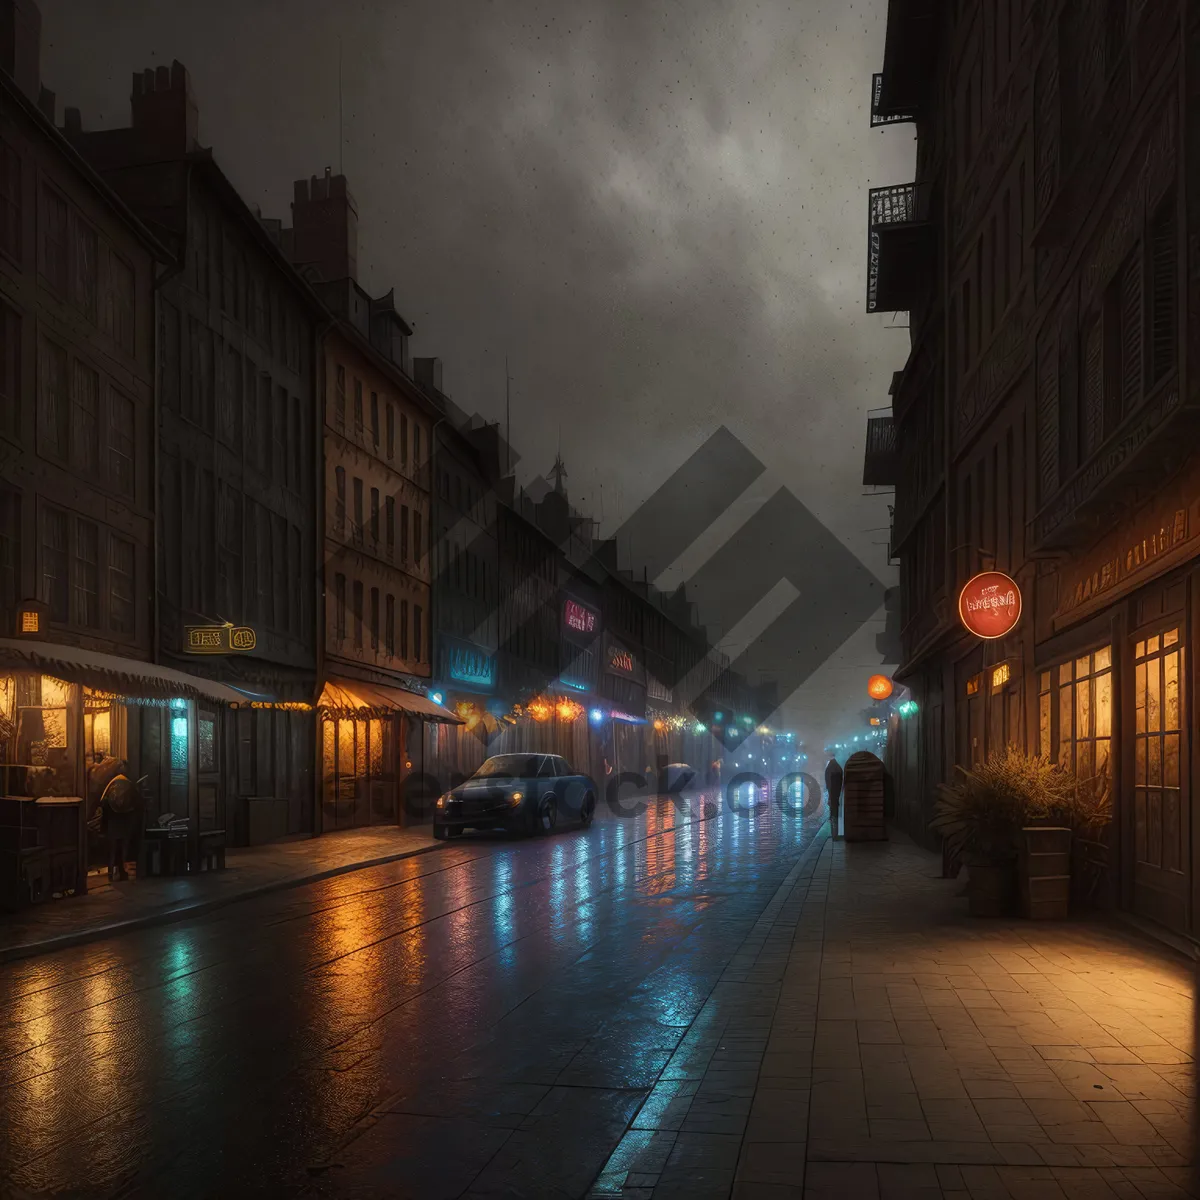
(182, 913)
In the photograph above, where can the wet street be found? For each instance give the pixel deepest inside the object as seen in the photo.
(485, 1019)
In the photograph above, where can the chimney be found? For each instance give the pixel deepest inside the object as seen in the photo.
(21, 45)
(163, 109)
(427, 372)
(325, 226)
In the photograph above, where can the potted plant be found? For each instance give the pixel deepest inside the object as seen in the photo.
(1091, 814)
(981, 815)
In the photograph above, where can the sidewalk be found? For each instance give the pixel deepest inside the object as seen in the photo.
(870, 1040)
(251, 871)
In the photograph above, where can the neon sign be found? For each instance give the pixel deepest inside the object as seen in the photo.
(579, 618)
(218, 639)
(620, 660)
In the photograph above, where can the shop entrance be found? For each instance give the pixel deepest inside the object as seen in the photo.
(1160, 816)
(359, 785)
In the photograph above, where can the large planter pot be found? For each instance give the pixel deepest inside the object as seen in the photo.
(990, 889)
(1044, 873)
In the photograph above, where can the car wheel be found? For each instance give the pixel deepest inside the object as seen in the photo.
(588, 811)
(547, 816)
(441, 832)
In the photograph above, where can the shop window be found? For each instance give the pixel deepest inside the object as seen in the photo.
(1075, 704)
(1159, 820)
(206, 741)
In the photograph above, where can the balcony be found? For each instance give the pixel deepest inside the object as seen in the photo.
(910, 49)
(1148, 447)
(879, 115)
(901, 246)
(880, 465)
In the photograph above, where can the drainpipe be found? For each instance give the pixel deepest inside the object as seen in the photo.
(156, 448)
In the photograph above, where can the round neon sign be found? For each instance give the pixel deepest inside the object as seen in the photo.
(990, 604)
(879, 687)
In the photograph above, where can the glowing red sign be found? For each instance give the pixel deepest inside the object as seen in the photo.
(579, 617)
(990, 604)
(621, 660)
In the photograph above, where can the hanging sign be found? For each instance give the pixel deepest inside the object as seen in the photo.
(579, 618)
(218, 639)
(990, 605)
(879, 687)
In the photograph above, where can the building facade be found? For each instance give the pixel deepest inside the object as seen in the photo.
(1045, 419)
(238, 457)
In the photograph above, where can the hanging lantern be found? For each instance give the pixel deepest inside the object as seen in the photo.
(539, 710)
(568, 710)
(879, 687)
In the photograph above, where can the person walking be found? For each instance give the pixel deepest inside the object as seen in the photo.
(833, 786)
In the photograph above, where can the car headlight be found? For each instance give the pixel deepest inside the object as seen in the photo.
(443, 800)
(516, 797)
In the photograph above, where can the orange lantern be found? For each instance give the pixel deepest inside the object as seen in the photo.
(568, 710)
(539, 710)
(879, 687)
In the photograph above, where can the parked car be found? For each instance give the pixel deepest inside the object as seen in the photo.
(523, 793)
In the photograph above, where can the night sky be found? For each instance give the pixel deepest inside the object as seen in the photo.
(656, 210)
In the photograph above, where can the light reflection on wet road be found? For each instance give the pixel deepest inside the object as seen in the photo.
(451, 995)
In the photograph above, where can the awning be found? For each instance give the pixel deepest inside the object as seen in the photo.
(111, 673)
(354, 698)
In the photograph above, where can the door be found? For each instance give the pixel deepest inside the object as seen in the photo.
(208, 767)
(1161, 821)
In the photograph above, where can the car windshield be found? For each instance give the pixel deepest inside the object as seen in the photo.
(514, 766)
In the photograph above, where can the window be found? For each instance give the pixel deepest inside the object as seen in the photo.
(254, 566)
(281, 463)
(121, 585)
(1164, 316)
(358, 614)
(299, 445)
(229, 551)
(10, 368)
(389, 544)
(375, 516)
(230, 407)
(339, 606)
(1123, 341)
(339, 400)
(87, 574)
(375, 419)
(10, 201)
(418, 549)
(265, 438)
(403, 628)
(54, 413)
(85, 275)
(358, 410)
(374, 618)
(55, 588)
(416, 445)
(1160, 822)
(357, 530)
(10, 558)
(1075, 713)
(404, 533)
(403, 440)
(171, 354)
(85, 425)
(54, 239)
(389, 626)
(1091, 392)
(120, 442)
(265, 550)
(391, 431)
(121, 303)
(279, 592)
(295, 571)
(417, 655)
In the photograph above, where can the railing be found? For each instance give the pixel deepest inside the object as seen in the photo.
(902, 204)
(878, 118)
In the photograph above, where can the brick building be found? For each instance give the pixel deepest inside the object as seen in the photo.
(1045, 420)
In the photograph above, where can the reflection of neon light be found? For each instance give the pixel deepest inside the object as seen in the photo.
(597, 715)
(179, 728)
(620, 716)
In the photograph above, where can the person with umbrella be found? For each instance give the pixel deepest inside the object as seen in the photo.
(120, 807)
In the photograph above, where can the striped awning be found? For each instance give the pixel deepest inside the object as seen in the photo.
(353, 698)
(111, 673)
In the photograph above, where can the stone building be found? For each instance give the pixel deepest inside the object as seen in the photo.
(1045, 420)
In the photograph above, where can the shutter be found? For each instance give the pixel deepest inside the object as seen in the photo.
(1092, 424)
(1163, 297)
(1047, 417)
(1131, 331)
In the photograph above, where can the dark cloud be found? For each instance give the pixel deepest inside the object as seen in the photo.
(655, 209)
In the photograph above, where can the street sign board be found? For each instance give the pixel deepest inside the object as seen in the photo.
(990, 605)
(218, 639)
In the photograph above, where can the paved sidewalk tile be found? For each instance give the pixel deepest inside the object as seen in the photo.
(110, 909)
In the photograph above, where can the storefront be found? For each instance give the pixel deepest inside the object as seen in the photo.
(70, 721)
(379, 751)
(466, 684)
(1115, 685)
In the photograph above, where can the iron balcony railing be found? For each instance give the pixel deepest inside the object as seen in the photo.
(884, 118)
(892, 207)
